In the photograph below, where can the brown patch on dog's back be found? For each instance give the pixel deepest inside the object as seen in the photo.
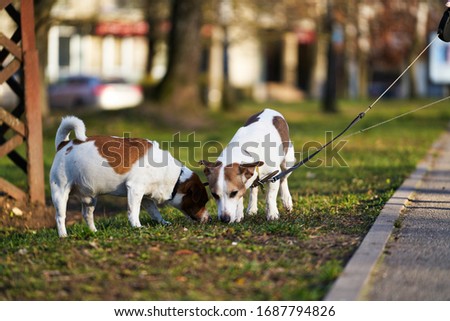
(62, 145)
(253, 119)
(120, 153)
(283, 129)
(66, 142)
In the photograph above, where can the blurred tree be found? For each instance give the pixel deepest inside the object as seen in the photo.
(225, 16)
(399, 31)
(392, 34)
(156, 13)
(43, 22)
(329, 104)
(371, 37)
(179, 89)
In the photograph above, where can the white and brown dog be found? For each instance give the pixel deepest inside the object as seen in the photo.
(259, 148)
(132, 167)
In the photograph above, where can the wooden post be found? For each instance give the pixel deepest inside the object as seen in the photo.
(33, 112)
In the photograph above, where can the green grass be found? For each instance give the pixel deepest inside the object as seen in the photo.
(295, 258)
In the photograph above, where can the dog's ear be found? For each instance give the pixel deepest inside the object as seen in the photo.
(254, 164)
(209, 166)
(249, 169)
(194, 191)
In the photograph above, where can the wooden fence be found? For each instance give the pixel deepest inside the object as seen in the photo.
(23, 124)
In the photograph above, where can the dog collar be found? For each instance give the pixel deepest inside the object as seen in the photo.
(174, 192)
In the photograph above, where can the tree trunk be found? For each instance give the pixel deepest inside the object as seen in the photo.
(329, 98)
(329, 95)
(151, 42)
(228, 97)
(179, 89)
(42, 45)
(42, 16)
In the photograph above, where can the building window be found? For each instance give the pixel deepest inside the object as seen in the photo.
(64, 51)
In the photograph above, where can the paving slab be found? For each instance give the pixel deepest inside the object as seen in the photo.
(416, 262)
(398, 263)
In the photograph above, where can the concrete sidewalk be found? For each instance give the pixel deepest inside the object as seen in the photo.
(412, 260)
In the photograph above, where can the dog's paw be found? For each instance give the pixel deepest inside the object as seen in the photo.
(239, 216)
(272, 216)
(252, 211)
(135, 223)
(164, 222)
(289, 208)
(62, 233)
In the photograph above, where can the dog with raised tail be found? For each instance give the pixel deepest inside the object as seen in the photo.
(137, 168)
(259, 148)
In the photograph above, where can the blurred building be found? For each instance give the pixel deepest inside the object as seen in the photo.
(98, 37)
(108, 38)
(263, 55)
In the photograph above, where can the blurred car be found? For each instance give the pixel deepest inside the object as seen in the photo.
(90, 91)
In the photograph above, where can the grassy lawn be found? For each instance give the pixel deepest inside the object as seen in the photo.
(336, 199)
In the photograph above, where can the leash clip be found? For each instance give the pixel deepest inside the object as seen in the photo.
(261, 182)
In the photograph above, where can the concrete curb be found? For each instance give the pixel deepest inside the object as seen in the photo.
(351, 283)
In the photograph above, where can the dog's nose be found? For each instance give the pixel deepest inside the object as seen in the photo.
(225, 218)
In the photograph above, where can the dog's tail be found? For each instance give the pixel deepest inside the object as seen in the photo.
(68, 124)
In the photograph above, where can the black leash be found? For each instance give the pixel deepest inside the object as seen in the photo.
(396, 117)
(308, 158)
(272, 178)
(443, 34)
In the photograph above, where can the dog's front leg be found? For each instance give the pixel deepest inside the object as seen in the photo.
(240, 210)
(271, 201)
(153, 210)
(134, 205)
(253, 201)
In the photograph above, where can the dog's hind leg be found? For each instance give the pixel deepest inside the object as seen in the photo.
(253, 201)
(87, 209)
(60, 196)
(153, 211)
(285, 195)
